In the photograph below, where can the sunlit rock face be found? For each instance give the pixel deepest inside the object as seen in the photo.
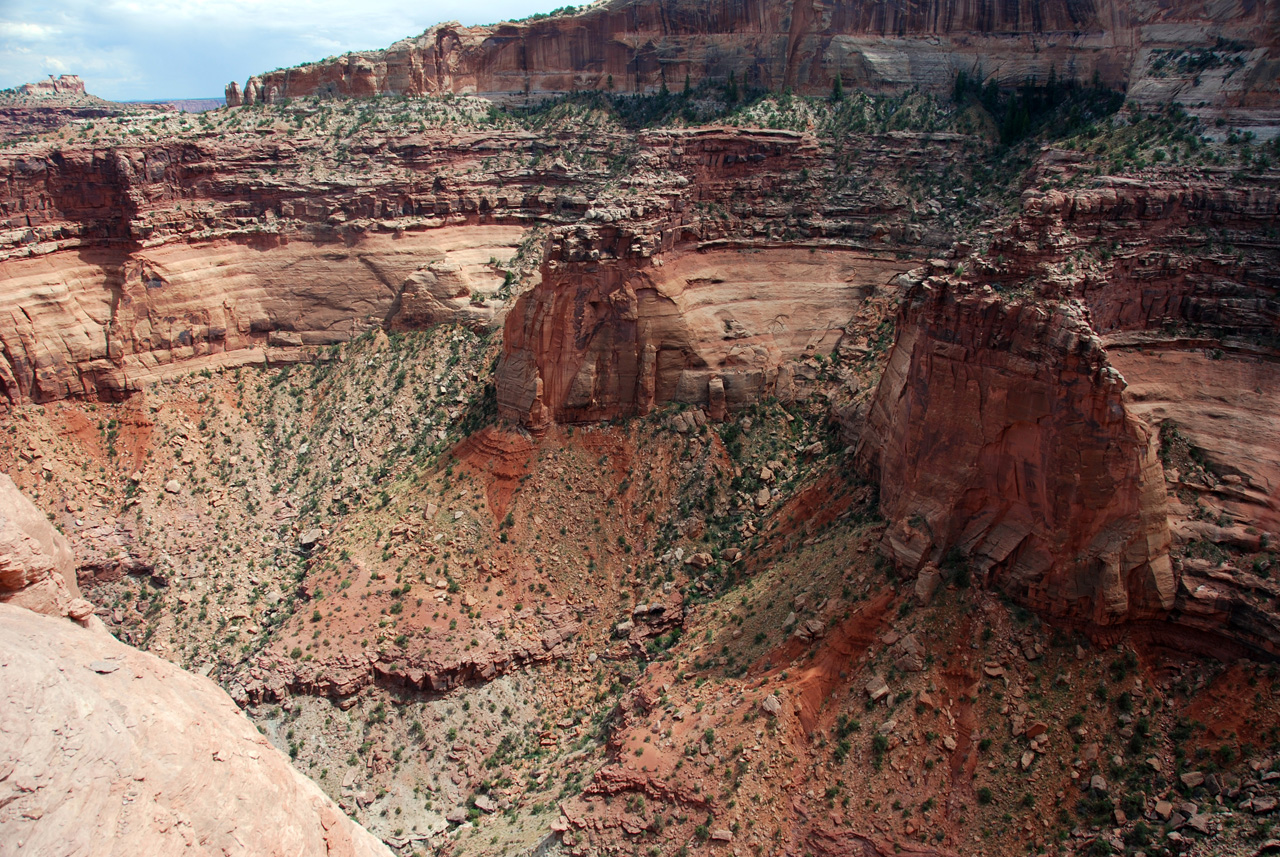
(640, 46)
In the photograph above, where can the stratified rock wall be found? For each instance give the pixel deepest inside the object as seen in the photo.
(118, 266)
(642, 45)
(718, 328)
(640, 307)
(103, 322)
(999, 432)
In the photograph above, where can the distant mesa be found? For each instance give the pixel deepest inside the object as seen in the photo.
(46, 105)
(64, 91)
(63, 85)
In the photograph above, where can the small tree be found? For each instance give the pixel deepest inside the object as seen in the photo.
(837, 89)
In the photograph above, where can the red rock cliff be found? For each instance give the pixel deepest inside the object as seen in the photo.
(999, 430)
(640, 45)
(67, 85)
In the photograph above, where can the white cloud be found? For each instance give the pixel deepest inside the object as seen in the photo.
(26, 31)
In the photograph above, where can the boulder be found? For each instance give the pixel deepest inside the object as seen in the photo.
(927, 582)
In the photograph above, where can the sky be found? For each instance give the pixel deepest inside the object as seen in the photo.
(133, 50)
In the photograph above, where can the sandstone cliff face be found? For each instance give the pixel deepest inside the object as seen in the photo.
(108, 750)
(999, 430)
(1059, 495)
(639, 46)
(63, 86)
(718, 328)
(640, 307)
(104, 322)
(122, 265)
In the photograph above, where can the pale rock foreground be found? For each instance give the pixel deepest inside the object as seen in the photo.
(106, 750)
(37, 569)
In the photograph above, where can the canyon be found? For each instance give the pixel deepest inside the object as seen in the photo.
(555, 467)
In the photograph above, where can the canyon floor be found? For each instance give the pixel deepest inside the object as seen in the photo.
(489, 640)
(495, 609)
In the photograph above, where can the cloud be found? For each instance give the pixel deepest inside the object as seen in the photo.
(25, 31)
(129, 50)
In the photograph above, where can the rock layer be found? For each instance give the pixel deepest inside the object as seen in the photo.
(121, 266)
(104, 322)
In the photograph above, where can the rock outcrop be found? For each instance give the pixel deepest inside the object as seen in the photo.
(63, 86)
(108, 750)
(1219, 57)
(435, 670)
(720, 328)
(999, 431)
(1021, 417)
(37, 569)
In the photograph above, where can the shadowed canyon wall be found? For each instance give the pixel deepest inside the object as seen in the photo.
(1022, 415)
(1000, 431)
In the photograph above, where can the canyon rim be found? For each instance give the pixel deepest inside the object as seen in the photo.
(811, 428)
